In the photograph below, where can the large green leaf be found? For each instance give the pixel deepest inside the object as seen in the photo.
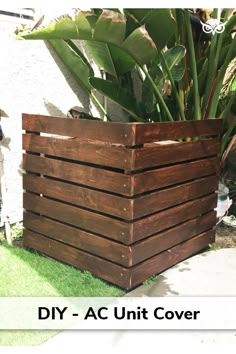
(76, 49)
(112, 23)
(110, 58)
(117, 56)
(74, 62)
(109, 30)
(159, 23)
(173, 56)
(140, 46)
(65, 27)
(148, 97)
(178, 72)
(119, 95)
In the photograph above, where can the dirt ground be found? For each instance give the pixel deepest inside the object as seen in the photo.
(225, 236)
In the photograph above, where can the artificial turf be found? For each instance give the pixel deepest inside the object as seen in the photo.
(25, 273)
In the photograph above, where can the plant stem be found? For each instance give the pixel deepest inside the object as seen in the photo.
(197, 110)
(180, 39)
(175, 91)
(216, 95)
(215, 48)
(158, 95)
(220, 40)
(211, 73)
(100, 106)
(232, 126)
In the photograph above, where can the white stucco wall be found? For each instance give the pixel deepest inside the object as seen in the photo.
(30, 82)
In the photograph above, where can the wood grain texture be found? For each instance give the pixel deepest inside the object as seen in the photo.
(113, 251)
(102, 268)
(173, 216)
(88, 176)
(157, 243)
(84, 129)
(121, 276)
(123, 232)
(168, 197)
(168, 258)
(150, 132)
(125, 208)
(128, 134)
(92, 222)
(80, 239)
(157, 155)
(167, 176)
(119, 156)
(84, 197)
(96, 153)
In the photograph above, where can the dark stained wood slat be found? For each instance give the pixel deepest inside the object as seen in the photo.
(113, 251)
(166, 198)
(157, 155)
(103, 225)
(84, 129)
(171, 237)
(167, 176)
(128, 209)
(72, 148)
(79, 259)
(121, 133)
(170, 257)
(77, 238)
(126, 233)
(84, 197)
(173, 216)
(150, 132)
(89, 176)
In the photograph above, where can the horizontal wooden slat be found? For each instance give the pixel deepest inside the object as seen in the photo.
(128, 134)
(100, 154)
(150, 132)
(167, 218)
(113, 251)
(84, 197)
(123, 232)
(117, 182)
(77, 238)
(121, 207)
(167, 176)
(166, 198)
(125, 278)
(157, 155)
(83, 219)
(120, 156)
(171, 237)
(170, 257)
(84, 129)
(89, 176)
(109, 271)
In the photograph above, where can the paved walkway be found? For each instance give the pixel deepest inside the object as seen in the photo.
(210, 273)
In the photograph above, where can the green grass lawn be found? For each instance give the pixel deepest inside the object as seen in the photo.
(24, 273)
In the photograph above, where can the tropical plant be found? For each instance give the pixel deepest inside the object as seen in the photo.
(177, 74)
